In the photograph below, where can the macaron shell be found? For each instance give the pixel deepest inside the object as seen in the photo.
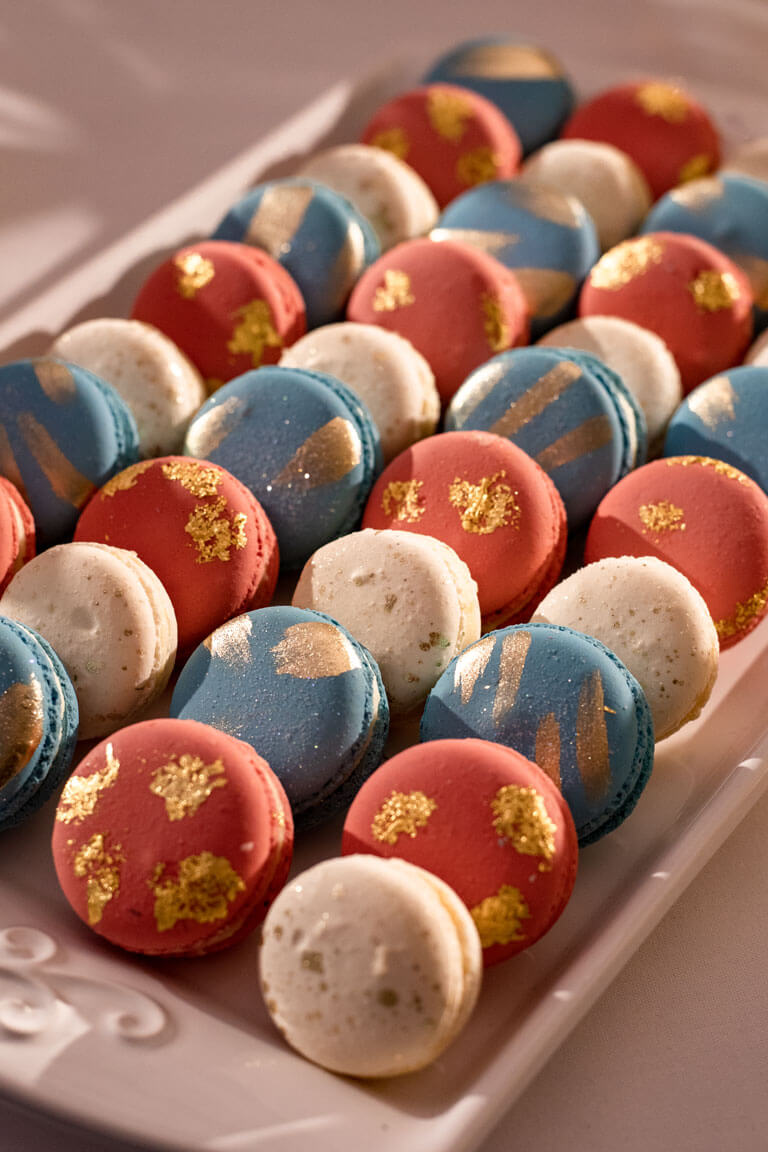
(485, 820)
(17, 532)
(705, 518)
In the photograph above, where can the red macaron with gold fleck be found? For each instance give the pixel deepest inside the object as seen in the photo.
(455, 304)
(667, 133)
(489, 501)
(199, 529)
(228, 306)
(686, 291)
(172, 838)
(453, 137)
(17, 532)
(487, 821)
(705, 518)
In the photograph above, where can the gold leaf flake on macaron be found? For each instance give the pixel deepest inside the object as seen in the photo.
(744, 612)
(470, 666)
(394, 140)
(278, 217)
(100, 868)
(499, 918)
(204, 887)
(213, 534)
(55, 379)
(662, 516)
(125, 480)
(624, 263)
(194, 271)
(485, 507)
(714, 291)
(719, 466)
(21, 727)
(66, 481)
(667, 101)
(254, 332)
(394, 293)
(80, 794)
(477, 166)
(198, 478)
(521, 817)
(313, 649)
(494, 323)
(402, 500)
(402, 814)
(326, 456)
(593, 755)
(232, 641)
(186, 782)
(696, 167)
(449, 113)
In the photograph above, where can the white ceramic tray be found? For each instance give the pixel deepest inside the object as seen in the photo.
(181, 1054)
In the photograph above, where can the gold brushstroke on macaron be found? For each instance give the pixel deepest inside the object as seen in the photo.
(744, 613)
(394, 140)
(394, 293)
(65, 480)
(213, 534)
(489, 242)
(125, 480)
(401, 500)
(580, 441)
(185, 783)
(477, 166)
(718, 466)
(326, 456)
(593, 755)
(211, 428)
(470, 666)
(506, 62)
(193, 272)
(485, 507)
(547, 203)
(449, 113)
(667, 101)
(402, 814)
(495, 325)
(196, 477)
(697, 195)
(232, 641)
(100, 868)
(347, 267)
(714, 402)
(313, 649)
(696, 167)
(663, 516)
(498, 918)
(8, 464)
(81, 793)
(714, 291)
(204, 887)
(536, 398)
(546, 290)
(254, 331)
(514, 653)
(624, 263)
(56, 380)
(278, 217)
(547, 750)
(520, 816)
(21, 727)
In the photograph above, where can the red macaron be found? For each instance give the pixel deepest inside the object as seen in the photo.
(17, 532)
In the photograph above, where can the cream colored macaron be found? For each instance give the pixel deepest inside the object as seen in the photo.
(110, 621)
(640, 357)
(388, 192)
(654, 620)
(750, 160)
(370, 967)
(393, 380)
(758, 352)
(607, 182)
(407, 598)
(159, 384)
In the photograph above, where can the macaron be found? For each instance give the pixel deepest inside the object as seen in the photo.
(199, 529)
(17, 532)
(63, 433)
(751, 159)
(369, 967)
(487, 821)
(567, 410)
(729, 212)
(109, 619)
(312, 232)
(406, 597)
(302, 442)
(229, 307)
(757, 353)
(38, 722)
(393, 380)
(563, 700)
(668, 133)
(491, 503)
(606, 180)
(391, 196)
(690, 294)
(172, 838)
(453, 137)
(296, 686)
(705, 518)
(638, 356)
(545, 237)
(160, 385)
(526, 82)
(456, 305)
(655, 621)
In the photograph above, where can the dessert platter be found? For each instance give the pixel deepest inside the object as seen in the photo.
(181, 1052)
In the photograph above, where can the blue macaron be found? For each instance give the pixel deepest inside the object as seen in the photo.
(317, 235)
(546, 238)
(567, 410)
(303, 443)
(563, 700)
(38, 722)
(523, 80)
(725, 418)
(63, 433)
(730, 212)
(294, 684)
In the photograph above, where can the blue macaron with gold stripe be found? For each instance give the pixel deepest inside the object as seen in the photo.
(546, 238)
(309, 698)
(563, 700)
(317, 235)
(567, 410)
(63, 433)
